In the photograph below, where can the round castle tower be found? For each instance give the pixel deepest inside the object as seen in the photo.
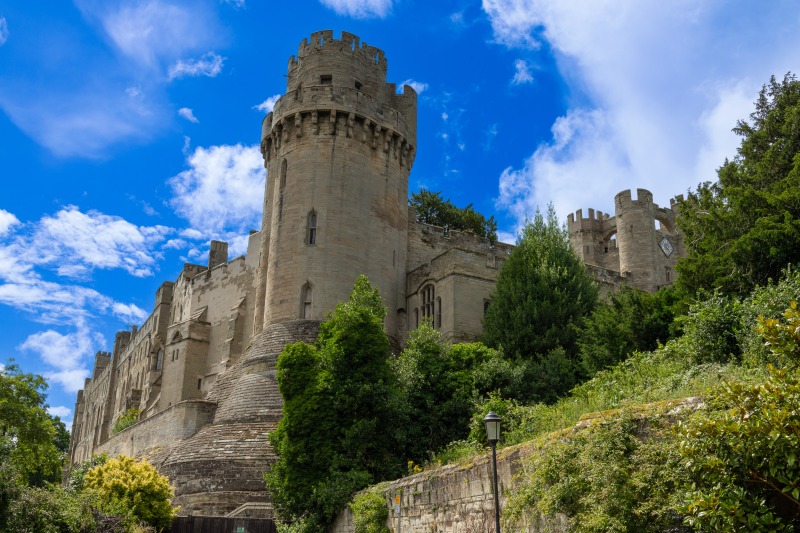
(338, 148)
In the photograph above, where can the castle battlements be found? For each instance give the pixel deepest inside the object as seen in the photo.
(323, 41)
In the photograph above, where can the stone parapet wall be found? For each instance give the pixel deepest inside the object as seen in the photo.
(154, 437)
(455, 498)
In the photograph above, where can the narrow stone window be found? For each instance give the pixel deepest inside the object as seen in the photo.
(199, 383)
(326, 79)
(311, 235)
(486, 307)
(428, 302)
(282, 185)
(668, 274)
(159, 359)
(438, 323)
(359, 86)
(306, 295)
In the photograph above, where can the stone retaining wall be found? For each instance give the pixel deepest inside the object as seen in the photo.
(455, 498)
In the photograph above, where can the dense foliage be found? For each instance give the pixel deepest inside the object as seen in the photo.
(369, 513)
(631, 320)
(128, 418)
(744, 229)
(542, 294)
(31, 441)
(743, 457)
(132, 489)
(435, 210)
(342, 415)
(440, 383)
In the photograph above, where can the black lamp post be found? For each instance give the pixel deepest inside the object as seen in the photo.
(492, 421)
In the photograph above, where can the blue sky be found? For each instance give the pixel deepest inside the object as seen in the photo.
(129, 130)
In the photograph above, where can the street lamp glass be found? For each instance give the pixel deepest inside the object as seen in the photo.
(492, 421)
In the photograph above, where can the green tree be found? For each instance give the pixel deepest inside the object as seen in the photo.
(435, 210)
(542, 294)
(744, 229)
(631, 320)
(28, 435)
(133, 489)
(340, 429)
(440, 383)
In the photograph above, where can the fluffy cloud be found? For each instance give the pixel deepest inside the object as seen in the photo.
(76, 240)
(188, 114)
(7, 220)
(65, 354)
(416, 85)
(360, 9)
(522, 73)
(129, 313)
(658, 85)
(3, 31)
(209, 65)
(267, 105)
(60, 411)
(222, 190)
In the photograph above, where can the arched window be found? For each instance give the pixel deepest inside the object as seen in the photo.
(428, 301)
(306, 294)
(486, 304)
(311, 232)
(159, 359)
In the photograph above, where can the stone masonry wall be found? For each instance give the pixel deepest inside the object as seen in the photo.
(455, 498)
(153, 438)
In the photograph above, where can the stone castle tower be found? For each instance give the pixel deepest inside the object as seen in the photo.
(638, 246)
(338, 148)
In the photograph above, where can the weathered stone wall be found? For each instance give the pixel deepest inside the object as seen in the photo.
(455, 498)
(154, 437)
(461, 268)
(338, 148)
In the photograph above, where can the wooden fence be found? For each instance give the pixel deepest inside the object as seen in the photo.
(222, 524)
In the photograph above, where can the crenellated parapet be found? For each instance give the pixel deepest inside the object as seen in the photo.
(638, 245)
(337, 88)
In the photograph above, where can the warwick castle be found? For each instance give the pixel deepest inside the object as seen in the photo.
(338, 148)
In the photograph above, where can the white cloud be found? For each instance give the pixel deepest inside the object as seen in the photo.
(3, 31)
(222, 191)
(129, 313)
(7, 220)
(65, 354)
(267, 105)
(188, 114)
(522, 73)
(193, 234)
(60, 411)
(209, 65)
(153, 31)
(416, 85)
(74, 239)
(238, 4)
(655, 89)
(360, 9)
(176, 244)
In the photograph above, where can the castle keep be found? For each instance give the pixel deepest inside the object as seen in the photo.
(338, 148)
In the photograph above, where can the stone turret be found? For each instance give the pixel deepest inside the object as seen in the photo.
(338, 148)
(638, 246)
